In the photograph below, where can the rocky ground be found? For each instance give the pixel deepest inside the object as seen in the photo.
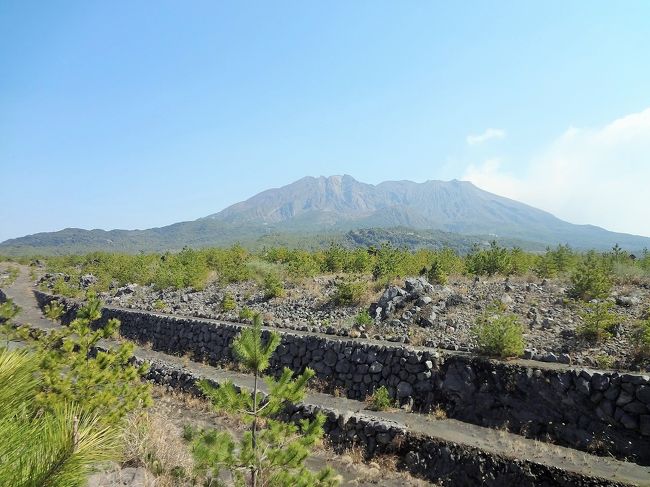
(415, 312)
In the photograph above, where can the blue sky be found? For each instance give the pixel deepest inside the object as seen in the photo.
(140, 114)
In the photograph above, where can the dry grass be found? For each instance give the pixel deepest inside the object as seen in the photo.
(154, 442)
(438, 413)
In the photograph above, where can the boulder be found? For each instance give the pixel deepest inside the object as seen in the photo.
(627, 301)
(87, 280)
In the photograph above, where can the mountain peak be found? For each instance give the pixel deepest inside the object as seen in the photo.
(337, 203)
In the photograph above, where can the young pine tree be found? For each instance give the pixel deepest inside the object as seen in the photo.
(272, 452)
(105, 383)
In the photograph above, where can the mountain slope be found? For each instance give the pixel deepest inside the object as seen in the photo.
(455, 206)
(315, 208)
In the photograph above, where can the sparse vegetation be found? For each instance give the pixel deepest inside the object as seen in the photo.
(604, 361)
(152, 441)
(246, 314)
(9, 276)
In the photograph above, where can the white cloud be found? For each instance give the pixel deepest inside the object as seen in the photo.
(485, 136)
(598, 176)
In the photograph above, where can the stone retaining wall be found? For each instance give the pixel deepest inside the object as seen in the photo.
(601, 412)
(433, 459)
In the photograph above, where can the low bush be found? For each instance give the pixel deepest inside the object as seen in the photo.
(246, 313)
(597, 321)
(604, 361)
(498, 334)
(436, 273)
(380, 400)
(8, 310)
(349, 292)
(228, 303)
(61, 287)
(363, 318)
(273, 286)
(388, 262)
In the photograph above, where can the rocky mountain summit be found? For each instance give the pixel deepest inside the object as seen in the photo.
(328, 207)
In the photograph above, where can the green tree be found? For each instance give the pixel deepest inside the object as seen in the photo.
(272, 452)
(545, 265)
(52, 448)
(597, 321)
(72, 369)
(388, 262)
(273, 286)
(336, 258)
(590, 280)
(494, 260)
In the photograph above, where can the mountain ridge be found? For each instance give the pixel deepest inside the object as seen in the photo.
(334, 205)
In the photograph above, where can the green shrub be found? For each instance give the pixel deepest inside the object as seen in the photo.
(246, 313)
(273, 286)
(591, 279)
(230, 264)
(61, 287)
(598, 321)
(159, 305)
(53, 310)
(363, 318)
(302, 264)
(228, 303)
(563, 257)
(498, 334)
(604, 361)
(8, 310)
(380, 400)
(349, 292)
